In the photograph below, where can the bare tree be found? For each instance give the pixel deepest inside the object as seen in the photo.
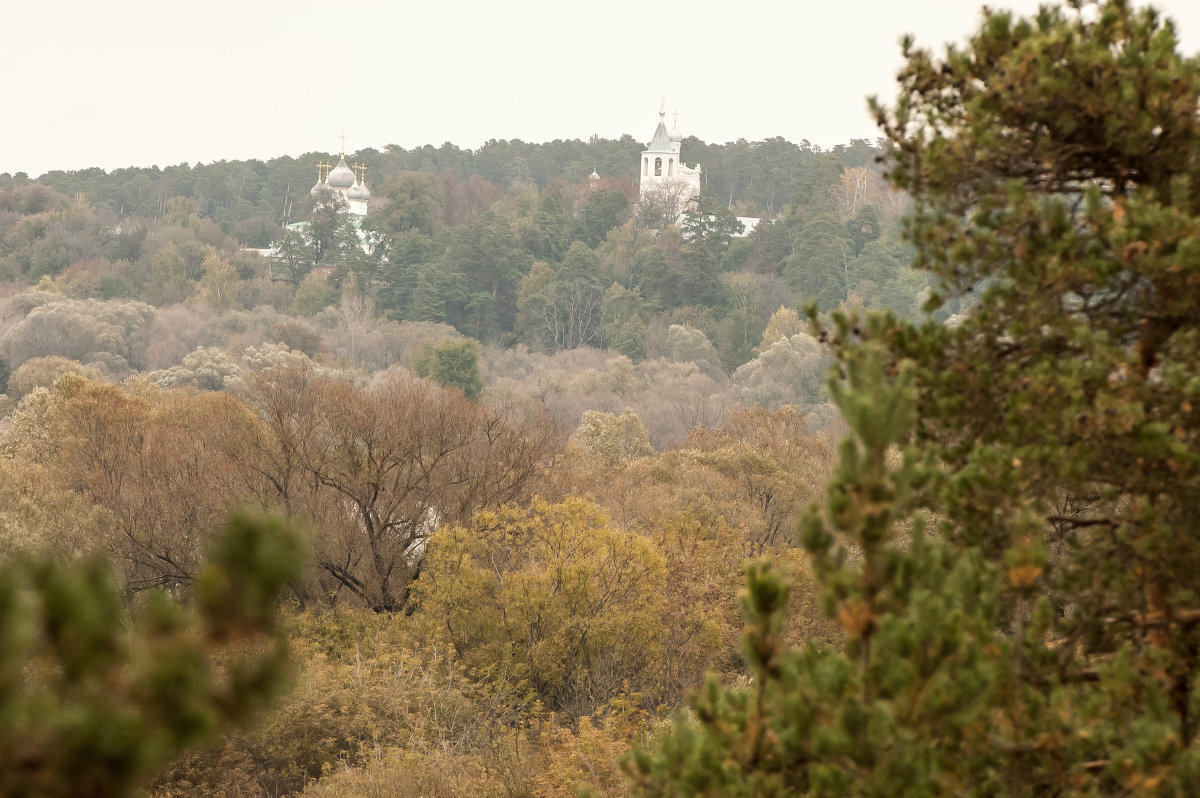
(662, 205)
(573, 315)
(378, 468)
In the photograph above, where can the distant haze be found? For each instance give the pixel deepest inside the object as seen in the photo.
(141, 83)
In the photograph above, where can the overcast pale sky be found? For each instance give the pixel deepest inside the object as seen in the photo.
(120, 83)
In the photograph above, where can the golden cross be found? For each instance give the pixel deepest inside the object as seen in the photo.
(662, 105)
(321, 175)
(342, 138)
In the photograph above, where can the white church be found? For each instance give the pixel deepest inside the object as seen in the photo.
(665, 177)
(663, 170)
(348, 182)
(351, 184)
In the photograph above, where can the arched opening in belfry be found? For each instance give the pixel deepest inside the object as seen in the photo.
(645, 166)
(670, 167)
(658, 167)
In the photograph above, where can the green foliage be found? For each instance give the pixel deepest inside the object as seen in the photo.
(168, 275)
(864, 227)
(1041, 640)
(709, 227)
(916, 624)
(294, 255)
(411, 205)
(91, 702)
(443, 242)
(820, 268)
(330, 230)
(604, 210)
(312, 296)
(487, 261)
(452, 364)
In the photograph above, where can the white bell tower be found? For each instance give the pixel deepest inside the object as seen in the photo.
(662, 171)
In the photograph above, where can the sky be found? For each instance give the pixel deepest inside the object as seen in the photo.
(121, 83)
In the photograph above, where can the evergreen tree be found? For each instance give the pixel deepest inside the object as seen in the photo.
(92, 702)
(294, 256)
(1043, 639)
(453, 364)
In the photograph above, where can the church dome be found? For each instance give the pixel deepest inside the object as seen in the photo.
(675, 134)
(358, 192)
(341, 176)
(318, 188)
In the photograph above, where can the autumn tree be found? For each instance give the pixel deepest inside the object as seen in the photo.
(89, 331)
(784, 323)
(661, 207)
(43, 372)
(787, 371)
(554, 592)
(391, 461)
(218, 285)
(149, 459)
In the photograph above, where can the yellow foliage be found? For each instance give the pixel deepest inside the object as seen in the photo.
(553, 594)
(374, 711)
(784, 323)
(588, 758)
(614, 439)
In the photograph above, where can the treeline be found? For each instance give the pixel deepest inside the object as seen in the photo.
(757, 178)
(569, 265)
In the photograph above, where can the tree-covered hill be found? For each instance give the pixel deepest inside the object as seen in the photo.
(511, 244)
(756, 177)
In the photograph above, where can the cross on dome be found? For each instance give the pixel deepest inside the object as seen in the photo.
(349, 182)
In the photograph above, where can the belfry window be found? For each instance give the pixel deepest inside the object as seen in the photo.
(671, 166)
(658, 167)
(645, 166)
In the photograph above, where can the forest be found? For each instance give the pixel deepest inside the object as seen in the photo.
(520, 486)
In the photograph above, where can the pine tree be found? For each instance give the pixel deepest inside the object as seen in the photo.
(1042, 636)
(905, 703)
(92, 701)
